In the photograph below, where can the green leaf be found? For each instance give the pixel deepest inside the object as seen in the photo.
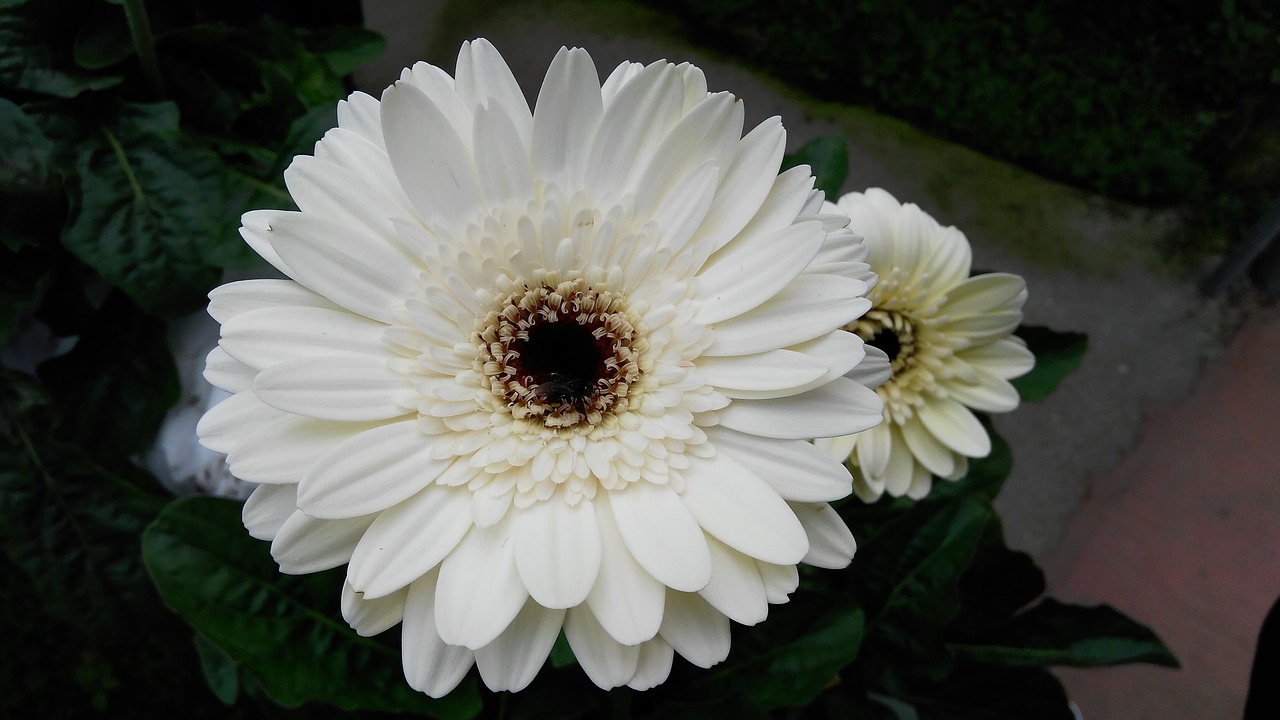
(31, 59)
(984, 693)
(26, 155)
(117, 383)
(998, 583)
(220, 670)
(1058, 354)
(828, 160)
(791, 657)
(911, 576)
(561, 653)
(345, 48)
(281, 629)
(71, 525)
(103, 39)
(148, 209)
(1055, 633)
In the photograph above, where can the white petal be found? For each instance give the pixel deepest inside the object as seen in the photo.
(989, 394)
(409, 539)
(606, 661)
(874, 370)
(831, 545)
(810, 306)
(746, 182)
(360, 113)
(253, 229)
(933, 455)
(775, 370)
(502, 162)
(742, 511)
(306, 545)
(368, 617)
(898, 471)
(557, 551)
(483, 75)
(874, 447)
(955, 426)
(227, 301)
(772, 261)
(512, 661)
(354, 267)
(267, 509)
(326, 189)
(779, 581)
(736, 588)
(370, 472)
(662, 535)
(284, 449)
(227, 373)
(984, 294)
(1006, 358)
(697, 631)
(567, 114)
(430, 665)
(642, 112)
(795, 469)
(479, 591)
(269, 336)
(626, 600)
(349, 389)
(840, 407)
(433, 163)
(234, 419)
(707, 133)
(654, 665)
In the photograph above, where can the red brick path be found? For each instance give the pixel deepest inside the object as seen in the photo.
(1184, 535)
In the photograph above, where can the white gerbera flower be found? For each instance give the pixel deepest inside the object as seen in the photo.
(947, 339)
(544, 370)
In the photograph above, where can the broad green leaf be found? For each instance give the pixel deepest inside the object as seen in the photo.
(147, 210)
(31, 55)
(1058, 354)
(345, 48)
(26, 155)
(984, 693)
(828, 160)
(792, 656)
(998, 584)
(117, 383)
(912, 570)
(103, 39)
(220, 670)
(1055, 633)
(71, 525)
(283, 630)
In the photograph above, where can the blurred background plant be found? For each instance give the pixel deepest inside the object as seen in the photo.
(1172, 104)
(133, 139)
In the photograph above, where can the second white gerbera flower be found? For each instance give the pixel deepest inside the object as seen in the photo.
(947, 339)
(544, 370)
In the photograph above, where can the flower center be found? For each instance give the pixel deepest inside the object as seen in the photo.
(565, 354)
(891, 331)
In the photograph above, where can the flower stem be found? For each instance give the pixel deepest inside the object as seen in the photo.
(144, 44)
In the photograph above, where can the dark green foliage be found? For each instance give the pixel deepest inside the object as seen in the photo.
(828, 160)
(282, 629)
(1151, 102)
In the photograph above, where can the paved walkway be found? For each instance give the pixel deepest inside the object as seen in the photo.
(1185, 533)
